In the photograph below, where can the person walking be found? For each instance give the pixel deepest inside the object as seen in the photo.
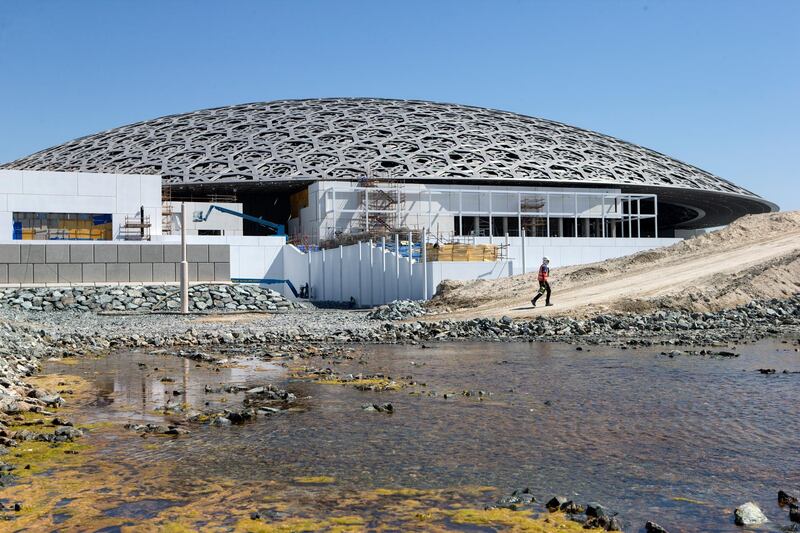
(544, 285)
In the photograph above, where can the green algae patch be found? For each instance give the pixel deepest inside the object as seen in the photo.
(175, 527)
(687, 500)
(291, 525)
(73, 389)
(405, 492)
(517, 520)
(372, 384)
(347, 521)
(337, 524)
(315, 480)
(33, 457)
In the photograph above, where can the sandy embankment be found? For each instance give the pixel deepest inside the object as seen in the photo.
(757, 256)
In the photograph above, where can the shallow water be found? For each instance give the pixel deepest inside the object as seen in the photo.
(681, 441)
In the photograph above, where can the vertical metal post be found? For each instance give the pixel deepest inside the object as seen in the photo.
(524, 266)
(308, 285)
(630, 217)
(603, 210)
(360, 268)
(324, 295)
(639, 218)
(424, 252)
(366, 207)
(547, 203)
(655, 212)
(341, 273)
(184, 264)
(410, 266)
(397, 262)
(430, 200)
(460, 215)
(371, 273)
(576, 213)
(383, 270)
(333, 202)
(520, 231)
(491, 229)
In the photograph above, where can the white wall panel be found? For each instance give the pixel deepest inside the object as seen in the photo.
(97, 184)
(129, 195)
(55, 183)
(11, 181)
(46, 203)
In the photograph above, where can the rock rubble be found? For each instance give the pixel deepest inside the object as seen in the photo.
(202, 298)
(398, 310)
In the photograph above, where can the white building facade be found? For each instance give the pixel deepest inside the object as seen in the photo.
(41, 196)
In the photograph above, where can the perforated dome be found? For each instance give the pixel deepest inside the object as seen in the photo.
(349, 138)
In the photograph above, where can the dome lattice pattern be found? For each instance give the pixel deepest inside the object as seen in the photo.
(348, 138)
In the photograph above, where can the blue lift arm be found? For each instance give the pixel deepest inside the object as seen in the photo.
(279, 229)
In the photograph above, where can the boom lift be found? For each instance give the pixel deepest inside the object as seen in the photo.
(279, 229)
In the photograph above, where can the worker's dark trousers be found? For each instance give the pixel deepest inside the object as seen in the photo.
(546, 286)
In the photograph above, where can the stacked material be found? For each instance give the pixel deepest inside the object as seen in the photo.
(462, 252)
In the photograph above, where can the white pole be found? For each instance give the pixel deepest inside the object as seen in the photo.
(383, 272)
(424, 252)
(308, 285)
(655, 212)
(524, 268)
(360, 268)
(491, 232)
(410, 266)
(341, 273)
(603, 210)
(547, 203)
(397, 262)
(371, 273)
(638, 218)
(324, 295)
(184, 264)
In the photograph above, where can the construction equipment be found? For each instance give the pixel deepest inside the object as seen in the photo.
(279, 229)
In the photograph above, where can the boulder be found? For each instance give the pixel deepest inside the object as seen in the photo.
(749, 514)
(555, 503)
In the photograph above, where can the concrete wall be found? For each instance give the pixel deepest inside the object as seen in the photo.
(78, 192)
(60, 262)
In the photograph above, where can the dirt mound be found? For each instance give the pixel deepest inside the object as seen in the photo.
(757, 256)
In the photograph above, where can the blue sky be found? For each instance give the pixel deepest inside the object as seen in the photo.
(713, 83)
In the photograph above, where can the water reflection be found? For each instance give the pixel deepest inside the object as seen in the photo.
(138, 384)
(677, 440)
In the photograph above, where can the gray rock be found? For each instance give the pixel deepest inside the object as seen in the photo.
(749, 514)
(555, 503)
(652, 527)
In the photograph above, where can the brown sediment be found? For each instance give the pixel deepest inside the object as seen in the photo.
(755, 257)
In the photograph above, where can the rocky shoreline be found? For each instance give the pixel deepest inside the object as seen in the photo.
(27, 336)
(145, 298)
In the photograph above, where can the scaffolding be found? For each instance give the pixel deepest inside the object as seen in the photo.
(167, 212)
(379, 207)
(136, 227)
